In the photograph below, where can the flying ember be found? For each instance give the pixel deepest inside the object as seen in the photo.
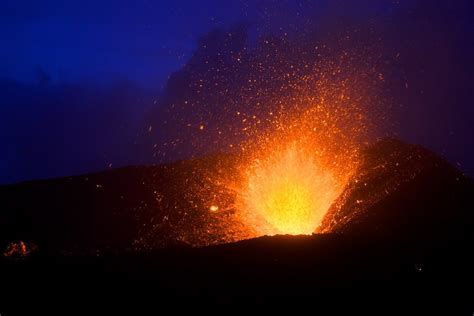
(288, 125)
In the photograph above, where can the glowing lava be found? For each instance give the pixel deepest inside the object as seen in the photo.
(292, 121)
(290, 192)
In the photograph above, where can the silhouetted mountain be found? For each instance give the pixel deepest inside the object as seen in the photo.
(400, 232)
(131, 207)
(402, 191)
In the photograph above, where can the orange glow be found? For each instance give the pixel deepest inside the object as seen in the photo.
(297, 168)
(290, 192)
(287, 139)
(19, 249)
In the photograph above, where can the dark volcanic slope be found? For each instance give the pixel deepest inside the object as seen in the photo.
(132, 207)
(404, 192)
(401, 191)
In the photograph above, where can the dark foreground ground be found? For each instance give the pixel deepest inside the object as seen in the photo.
(331, 271)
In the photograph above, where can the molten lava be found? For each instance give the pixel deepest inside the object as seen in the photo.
(290, 192)
(299, 166)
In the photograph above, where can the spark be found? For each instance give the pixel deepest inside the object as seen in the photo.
(289, 127)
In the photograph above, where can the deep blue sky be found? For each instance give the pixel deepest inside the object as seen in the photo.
(142, 40)
(98, 40)
(79, 80)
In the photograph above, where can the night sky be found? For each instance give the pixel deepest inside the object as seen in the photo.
(81, 81)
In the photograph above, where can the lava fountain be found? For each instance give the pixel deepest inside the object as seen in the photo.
(290, 192)
(299, 169)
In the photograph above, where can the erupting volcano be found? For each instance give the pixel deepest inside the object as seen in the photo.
(293, 116)
(275, 160)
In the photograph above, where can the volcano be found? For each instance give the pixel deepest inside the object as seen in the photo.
(404, 223)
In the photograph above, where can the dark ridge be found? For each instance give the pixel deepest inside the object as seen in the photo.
(404, 192)
(407, 241)
(400, 191)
